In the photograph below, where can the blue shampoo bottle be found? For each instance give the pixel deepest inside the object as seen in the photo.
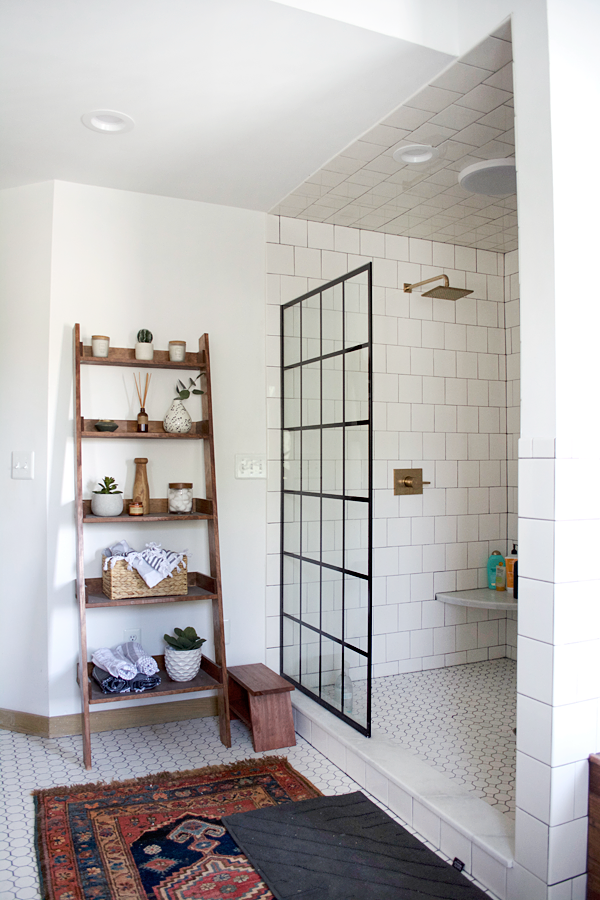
(495, 559)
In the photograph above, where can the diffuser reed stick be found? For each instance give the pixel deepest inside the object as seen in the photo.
(142, 419)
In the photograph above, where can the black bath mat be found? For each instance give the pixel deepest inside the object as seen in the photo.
(343, 848)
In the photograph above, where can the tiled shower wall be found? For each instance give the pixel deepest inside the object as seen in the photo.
(440, 403)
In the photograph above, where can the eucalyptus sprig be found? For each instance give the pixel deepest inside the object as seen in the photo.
(184, 392)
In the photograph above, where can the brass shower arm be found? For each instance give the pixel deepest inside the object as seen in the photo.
(408, 287)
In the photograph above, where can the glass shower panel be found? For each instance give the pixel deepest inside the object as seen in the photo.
(311, 394)
(327, 495)
(332, 598)
(332, 460)
(356, 543)
(292, 510)
(332, 319)
(291, 335)
(311, 527)
(311, 594)
(292, 386)
(291, 586)
(332, 540)
(357, 310)
(311, 460)
(291, 648)
(357, 386)
(333, 387)
(311, 327)
(292, 460)
(310, 659)
(357, 461)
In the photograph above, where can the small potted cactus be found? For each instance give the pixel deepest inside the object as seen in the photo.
(183, 654)
(144, 348)
(108, 501)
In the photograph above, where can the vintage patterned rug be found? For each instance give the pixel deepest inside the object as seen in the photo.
(159, 837)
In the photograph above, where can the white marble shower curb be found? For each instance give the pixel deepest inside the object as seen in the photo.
(444, 813)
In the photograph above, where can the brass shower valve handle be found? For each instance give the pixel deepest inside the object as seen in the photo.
(408, 481)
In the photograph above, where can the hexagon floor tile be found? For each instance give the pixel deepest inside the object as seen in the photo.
(28, 762)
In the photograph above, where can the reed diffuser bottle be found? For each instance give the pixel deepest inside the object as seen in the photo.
(142, 419)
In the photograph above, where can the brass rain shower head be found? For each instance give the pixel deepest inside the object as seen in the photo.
(442, 292)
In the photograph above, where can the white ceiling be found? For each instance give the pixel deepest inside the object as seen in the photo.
(467, 113)
(235, 101)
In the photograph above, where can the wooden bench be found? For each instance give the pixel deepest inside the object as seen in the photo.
(261, 699)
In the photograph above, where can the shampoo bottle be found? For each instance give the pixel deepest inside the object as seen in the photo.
(500, 577)
(510, 566)
(492, 563)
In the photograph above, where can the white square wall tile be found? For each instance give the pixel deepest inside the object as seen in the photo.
(535, 670)
(534, 727)
(536, 488)
(455, 845)
(426, 823)
(534, 786)
(531, 843)
(536, 610)
(536, 549)
(489, 871)
(578, 543)
(568, 850)
(574, 732)
(400, 802)
(293, 231)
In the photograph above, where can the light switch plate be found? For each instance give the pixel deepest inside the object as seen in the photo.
(22, 464)
(250, 465)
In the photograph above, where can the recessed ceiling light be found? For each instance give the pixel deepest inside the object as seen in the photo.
(108, 121)
(415, 153)
(491, 177)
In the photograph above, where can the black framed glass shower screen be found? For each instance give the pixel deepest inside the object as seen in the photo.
(326, 495)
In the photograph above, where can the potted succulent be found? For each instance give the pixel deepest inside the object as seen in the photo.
(108, 501)
(144, 348)
(183, 654)
(178, 419)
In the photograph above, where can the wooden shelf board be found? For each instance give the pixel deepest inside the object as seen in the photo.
(200, 587)
(202, 682)
(202, 509)
(128, 429)
(125, 356)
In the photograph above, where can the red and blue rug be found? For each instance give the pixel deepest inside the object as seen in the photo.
(159, 837)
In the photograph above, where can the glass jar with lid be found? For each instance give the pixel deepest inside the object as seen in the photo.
(180, 497)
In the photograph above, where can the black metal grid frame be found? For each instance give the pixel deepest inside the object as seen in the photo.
(367, 654)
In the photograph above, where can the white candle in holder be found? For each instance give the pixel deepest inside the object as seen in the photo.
(177, 351)
(100, 344)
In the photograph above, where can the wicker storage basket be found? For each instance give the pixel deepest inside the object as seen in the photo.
(118, 583)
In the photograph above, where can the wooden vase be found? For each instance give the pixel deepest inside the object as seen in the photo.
(141, 492)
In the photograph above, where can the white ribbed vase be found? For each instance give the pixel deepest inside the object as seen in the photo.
(178, 419)
(182, 665)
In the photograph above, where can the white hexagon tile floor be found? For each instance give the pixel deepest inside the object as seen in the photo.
(28, 762)
(459, 719)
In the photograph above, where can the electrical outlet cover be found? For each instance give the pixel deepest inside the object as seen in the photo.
(132, 634)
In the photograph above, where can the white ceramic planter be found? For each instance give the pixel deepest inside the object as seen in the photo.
(107, 504)
(144, 351)
(177, 419)
(182, 665)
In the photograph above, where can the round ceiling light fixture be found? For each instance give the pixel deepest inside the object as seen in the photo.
(415, 153)
(108, 121)
(491, 177)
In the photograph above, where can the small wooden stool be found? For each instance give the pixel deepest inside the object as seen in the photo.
(261, 699)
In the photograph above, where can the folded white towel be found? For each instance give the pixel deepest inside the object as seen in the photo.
(153, 564)
(120, 667)
(135, 653)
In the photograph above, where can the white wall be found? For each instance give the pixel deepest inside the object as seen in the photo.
(440, 404)
(121, 261)
(25, 248)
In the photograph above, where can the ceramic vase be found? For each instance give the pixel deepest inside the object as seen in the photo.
(107, 504)
(182, 665)
(144, 350)
(178, 419)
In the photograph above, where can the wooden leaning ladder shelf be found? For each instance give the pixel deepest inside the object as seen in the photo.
(213, 674)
